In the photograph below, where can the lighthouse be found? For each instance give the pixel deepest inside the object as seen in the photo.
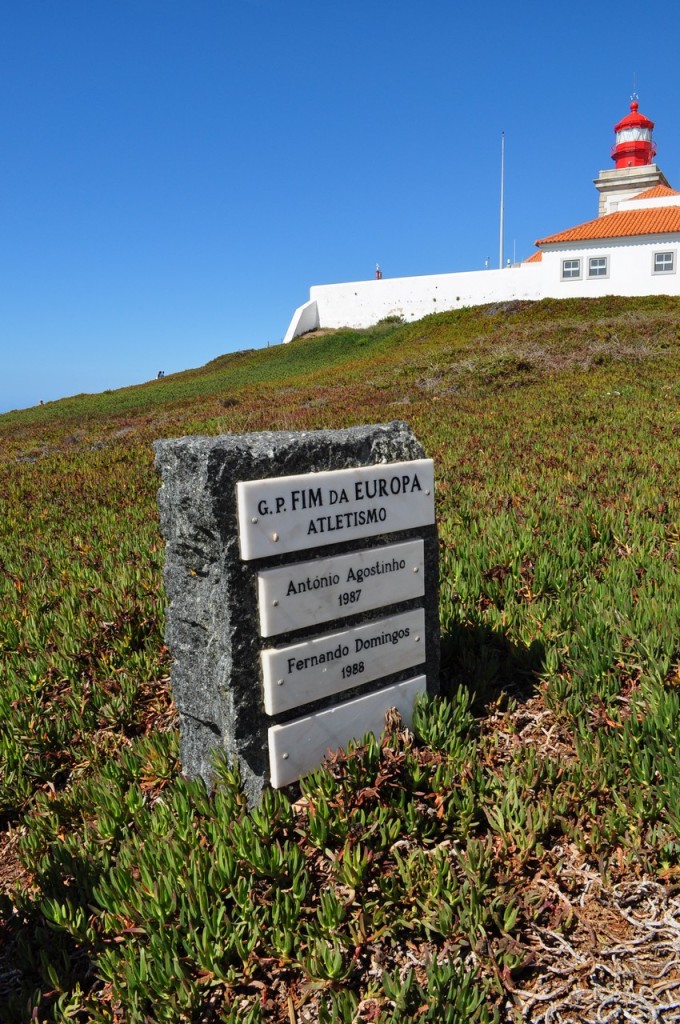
(632, 247)
(633, 154)
(634, 146)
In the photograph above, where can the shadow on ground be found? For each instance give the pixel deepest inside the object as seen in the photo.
(488, 664)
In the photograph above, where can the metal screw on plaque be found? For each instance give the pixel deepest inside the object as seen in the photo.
(275, 537)
(284, 756)
(275, 603)
(254, 519)
(417, 639)
(279, 682)
(427, 490)
(415, 568)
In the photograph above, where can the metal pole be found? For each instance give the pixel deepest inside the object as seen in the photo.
(501, 247)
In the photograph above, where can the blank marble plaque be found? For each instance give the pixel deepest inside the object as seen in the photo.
(299, 747)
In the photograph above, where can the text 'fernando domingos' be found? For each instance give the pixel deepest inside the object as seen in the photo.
(342, 650)
(306, 498)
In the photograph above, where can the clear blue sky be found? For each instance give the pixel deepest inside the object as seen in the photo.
(177, 173)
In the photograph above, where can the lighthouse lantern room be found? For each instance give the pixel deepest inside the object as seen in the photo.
(634, 146)
(633, 154)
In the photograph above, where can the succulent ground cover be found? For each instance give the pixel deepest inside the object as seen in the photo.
(517, 855)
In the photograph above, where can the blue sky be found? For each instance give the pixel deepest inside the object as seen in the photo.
(175, 174)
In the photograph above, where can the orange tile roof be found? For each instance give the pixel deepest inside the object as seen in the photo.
(535, 258)
(622, 224)
(657, 192)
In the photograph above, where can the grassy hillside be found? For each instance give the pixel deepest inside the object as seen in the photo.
(517, 857)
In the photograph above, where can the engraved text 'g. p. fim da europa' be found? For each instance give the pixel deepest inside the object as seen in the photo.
(293, 513)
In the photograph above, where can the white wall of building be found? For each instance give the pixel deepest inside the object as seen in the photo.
(363, 303)
(630, 268)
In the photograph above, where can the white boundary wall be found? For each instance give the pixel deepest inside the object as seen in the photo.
(364, 303)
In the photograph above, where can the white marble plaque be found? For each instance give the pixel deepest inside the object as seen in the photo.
(295, 513)
(298, 747)
(329, 664)
(306, 593)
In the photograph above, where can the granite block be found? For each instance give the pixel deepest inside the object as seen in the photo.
(213, 622)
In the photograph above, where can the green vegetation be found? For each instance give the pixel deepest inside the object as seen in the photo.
(408, 880)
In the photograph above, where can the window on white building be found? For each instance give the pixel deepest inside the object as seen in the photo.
(664, 262)
(571, 269)
(598, 266)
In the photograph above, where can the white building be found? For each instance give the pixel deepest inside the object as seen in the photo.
(630, 248)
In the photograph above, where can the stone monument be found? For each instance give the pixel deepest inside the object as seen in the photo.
(301, 574)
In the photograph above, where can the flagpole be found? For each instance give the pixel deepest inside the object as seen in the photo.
(502, 239)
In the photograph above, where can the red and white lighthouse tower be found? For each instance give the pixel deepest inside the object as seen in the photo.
(633, 154)
(634, 146)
